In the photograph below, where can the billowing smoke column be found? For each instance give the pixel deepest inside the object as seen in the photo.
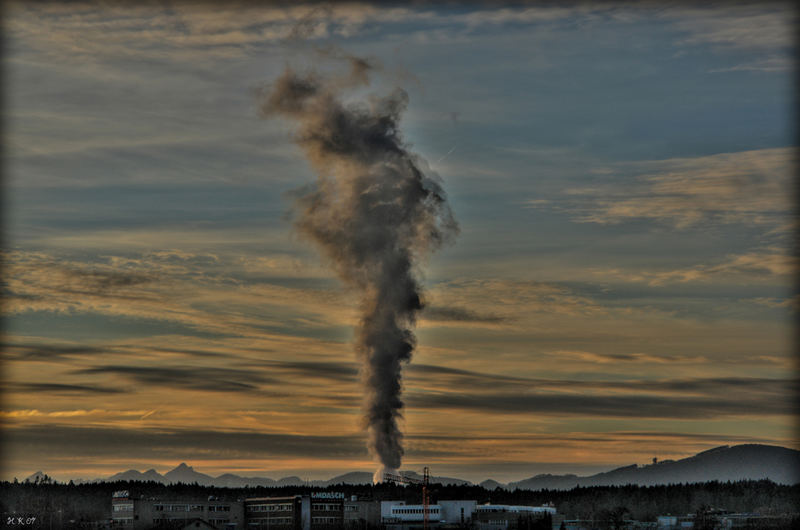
(374, 213)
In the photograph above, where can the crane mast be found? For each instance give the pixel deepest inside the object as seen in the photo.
(426, 502)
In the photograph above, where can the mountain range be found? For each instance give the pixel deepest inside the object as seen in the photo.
(187, 475)
(726, 463)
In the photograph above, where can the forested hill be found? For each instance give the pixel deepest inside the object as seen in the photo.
(740, 462)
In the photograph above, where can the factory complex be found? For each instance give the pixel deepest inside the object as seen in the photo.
(319, 511)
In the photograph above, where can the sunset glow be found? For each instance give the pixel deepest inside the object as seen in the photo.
(621, 287)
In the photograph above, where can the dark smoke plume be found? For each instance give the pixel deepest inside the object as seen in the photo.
(374, 213)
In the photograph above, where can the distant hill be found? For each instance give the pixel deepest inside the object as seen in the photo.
(491, 484)
(547, 482)
(354, 477)
(290, 481)
(229, 480)
(740, 462)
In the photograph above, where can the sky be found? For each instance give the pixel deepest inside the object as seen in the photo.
(621, 287)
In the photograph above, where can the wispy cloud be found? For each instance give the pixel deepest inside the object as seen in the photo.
(748, 187)
(178, 444)
(639, 405)
(766, 64)
(208, 379)
(790, 303)
(617, 358)
(766, 265)
(91, 30)
(162, 287)
(459, 314)
(48, 352)
(744, 26)
(84, 413)
(57, 389)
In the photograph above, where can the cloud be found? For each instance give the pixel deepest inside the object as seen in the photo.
(459, 314)
(74, 278)
(88, 31)
(341, 372)
(436, 387)
(484, 16)
(105, 280)
(246, 368)
(772, 262)
(616, 358)
(209, 379)
(92, 31)
(217, 297)
(765, 265)
(224, 450)
(446, 379)
(211, 297)
(747, 187)
(32, 276)
(748, 26)
(439, 386)
(767, 64)
(150, 367)
(792, 303)
(48, 352)
(190, 352)
(177, 444)
(33, 413)
(639, 405)
(619, 360)
(60, 389)
(450, 379)
(509, 300)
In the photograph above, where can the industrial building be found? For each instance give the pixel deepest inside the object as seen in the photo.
(317, 511)
(507, 517)
(278, 513)
(135, 513)
(361, 514)
(397, 515)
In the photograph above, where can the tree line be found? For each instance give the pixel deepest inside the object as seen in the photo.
(50, 501)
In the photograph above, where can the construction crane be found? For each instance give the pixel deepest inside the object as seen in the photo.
(425, 483)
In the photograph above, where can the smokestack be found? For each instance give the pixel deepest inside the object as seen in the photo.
(374, 213)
